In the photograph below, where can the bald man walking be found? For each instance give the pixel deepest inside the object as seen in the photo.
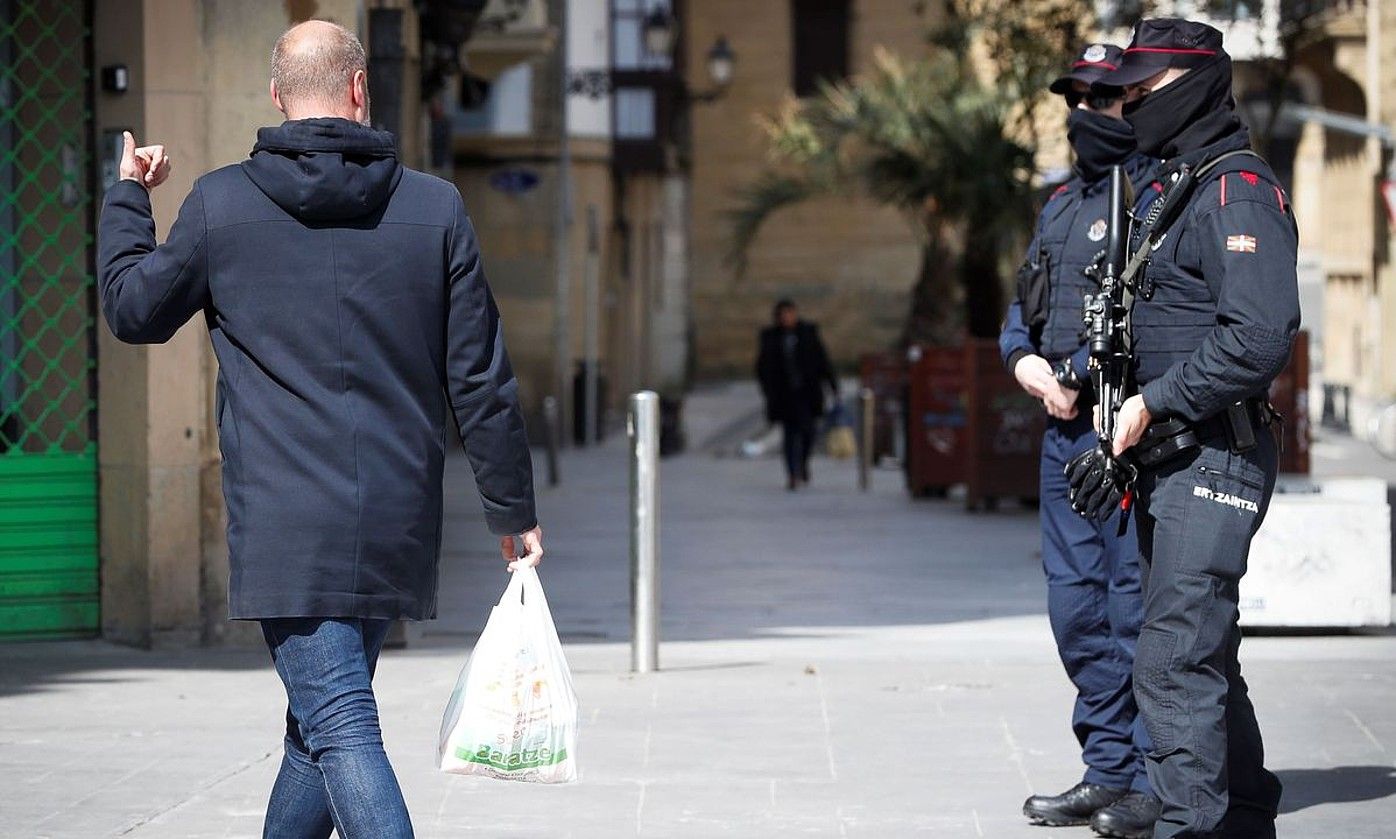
(346, 302)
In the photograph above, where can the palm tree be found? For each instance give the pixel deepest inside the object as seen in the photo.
(928, 138)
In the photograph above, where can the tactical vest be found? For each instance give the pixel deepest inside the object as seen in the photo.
(1068, 249)
(1072, 238)
(1175, 306)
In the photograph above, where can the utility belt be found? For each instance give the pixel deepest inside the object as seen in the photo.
(1172, 438)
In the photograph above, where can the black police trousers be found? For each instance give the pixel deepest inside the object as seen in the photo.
(1197, 515)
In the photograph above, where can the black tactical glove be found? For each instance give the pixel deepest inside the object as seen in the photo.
(1098, 482)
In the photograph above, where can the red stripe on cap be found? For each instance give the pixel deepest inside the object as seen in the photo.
(1171, 51)
(1094, 64)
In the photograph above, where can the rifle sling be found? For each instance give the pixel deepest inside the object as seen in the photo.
(1159, 227)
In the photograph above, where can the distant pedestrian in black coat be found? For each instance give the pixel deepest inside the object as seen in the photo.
(347, 305)
(793, 367)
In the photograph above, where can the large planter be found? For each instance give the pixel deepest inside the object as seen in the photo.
(935, 420)
(1003, 443)
(968, 421)
(1290, 396)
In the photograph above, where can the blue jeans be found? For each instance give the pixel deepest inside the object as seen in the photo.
(335, 774)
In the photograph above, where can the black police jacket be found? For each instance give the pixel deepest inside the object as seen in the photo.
(1217, 307)
(346, 301)
(1070, 236)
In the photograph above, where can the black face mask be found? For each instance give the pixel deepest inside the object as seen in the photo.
(1193, 111)
(1100, 142)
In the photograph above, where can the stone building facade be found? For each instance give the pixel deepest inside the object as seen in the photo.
(849, 263)
(616, 296)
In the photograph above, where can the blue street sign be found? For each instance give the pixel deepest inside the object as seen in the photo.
(514, 181)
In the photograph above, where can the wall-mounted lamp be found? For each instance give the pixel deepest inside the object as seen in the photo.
(661, 33)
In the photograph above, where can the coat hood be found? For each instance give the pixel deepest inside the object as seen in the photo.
(324, 169)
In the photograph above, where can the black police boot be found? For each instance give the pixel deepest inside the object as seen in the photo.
(1073, 807)
(1132, 817)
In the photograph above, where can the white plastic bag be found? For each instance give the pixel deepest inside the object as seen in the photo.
(513, 713)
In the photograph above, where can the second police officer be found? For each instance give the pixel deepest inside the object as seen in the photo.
(1215, 314)
(1093, 583)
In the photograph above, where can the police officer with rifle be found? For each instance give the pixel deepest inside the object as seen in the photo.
(1094, 595)
(1199, 324)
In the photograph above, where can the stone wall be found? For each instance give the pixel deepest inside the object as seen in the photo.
(516, 232)
(848, 263)
(1382, 100)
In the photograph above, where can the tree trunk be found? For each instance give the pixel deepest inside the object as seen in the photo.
(983, 287)
(936, 317)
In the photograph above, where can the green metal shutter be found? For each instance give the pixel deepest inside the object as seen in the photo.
(48, 449)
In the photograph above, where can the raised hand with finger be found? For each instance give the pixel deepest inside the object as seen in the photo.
(148, 166)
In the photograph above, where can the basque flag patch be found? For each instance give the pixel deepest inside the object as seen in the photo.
(1240, 244)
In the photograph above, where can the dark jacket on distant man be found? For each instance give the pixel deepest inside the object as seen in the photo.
(348, 308)
(792, 367)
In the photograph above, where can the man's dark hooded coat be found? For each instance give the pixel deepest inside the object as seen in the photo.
(353, 326)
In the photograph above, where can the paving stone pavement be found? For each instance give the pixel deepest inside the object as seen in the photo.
(835, 664)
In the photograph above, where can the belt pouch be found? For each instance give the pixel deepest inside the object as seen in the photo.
(1240, 431)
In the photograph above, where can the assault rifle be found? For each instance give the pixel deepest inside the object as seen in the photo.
(1107, 311)
(1099, 481)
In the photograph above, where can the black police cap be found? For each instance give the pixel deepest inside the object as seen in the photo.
(1094, 61)
(1161, 43)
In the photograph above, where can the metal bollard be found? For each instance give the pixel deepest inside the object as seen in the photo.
(643, 427)
(867, 405)
(552, 430)
(591, 331)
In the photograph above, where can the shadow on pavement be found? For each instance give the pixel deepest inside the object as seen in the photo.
(1305, 788)
(52, 665)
